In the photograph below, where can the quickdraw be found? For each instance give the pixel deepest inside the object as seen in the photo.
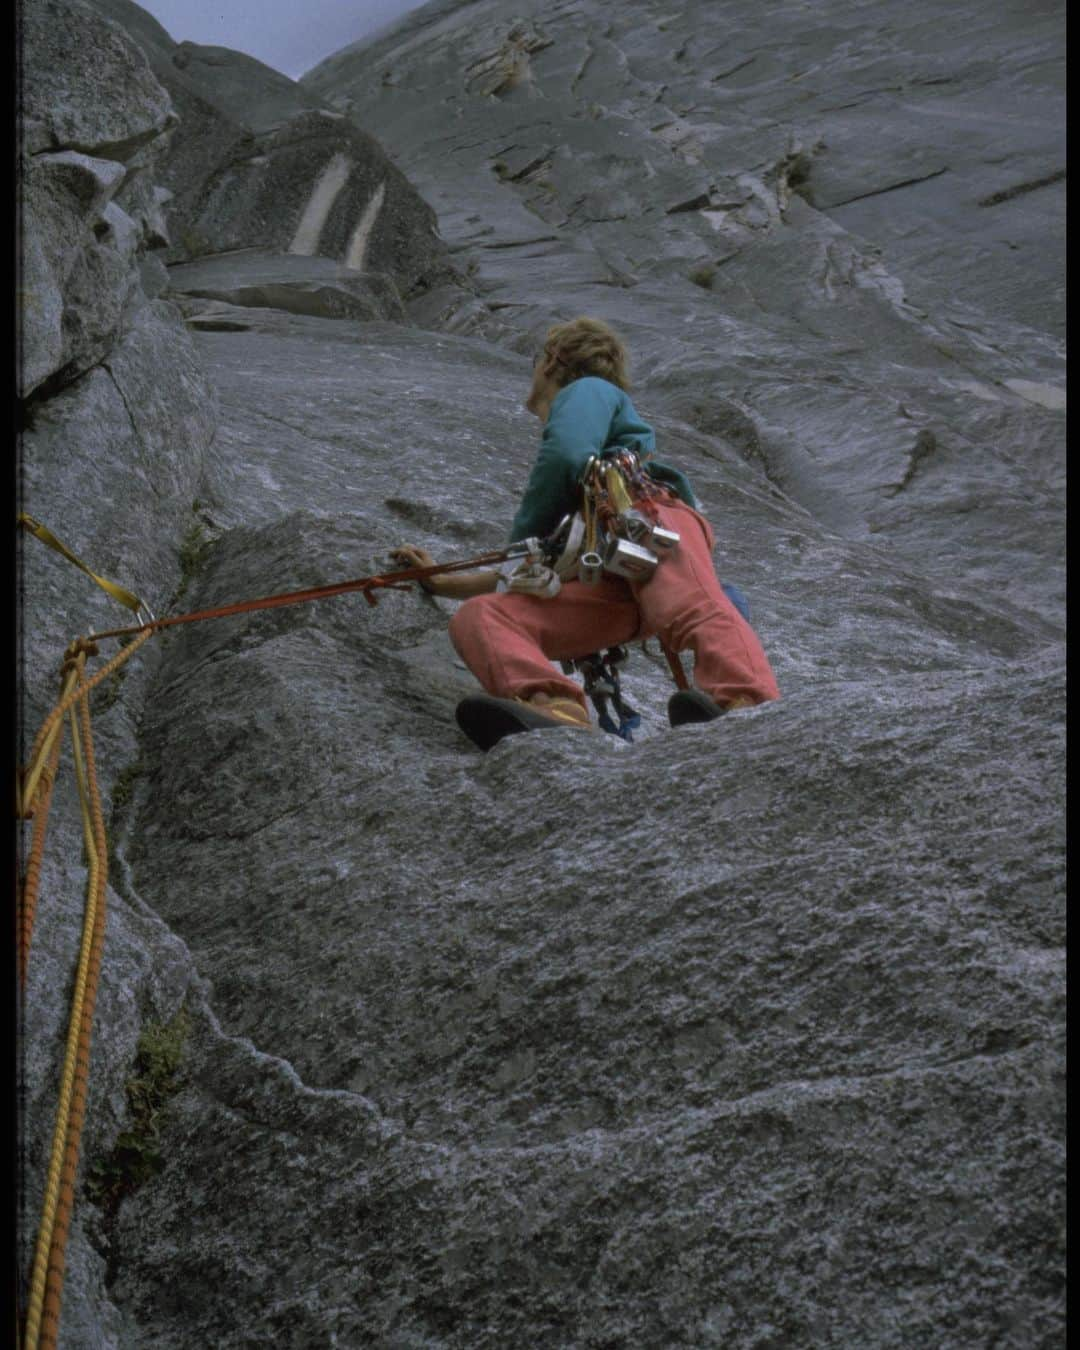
(119, 593)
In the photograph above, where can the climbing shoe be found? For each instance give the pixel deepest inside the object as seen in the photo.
(691, 705)
(486, 719)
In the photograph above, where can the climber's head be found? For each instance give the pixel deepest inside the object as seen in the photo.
(571, 350)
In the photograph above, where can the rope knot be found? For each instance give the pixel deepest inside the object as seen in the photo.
(76, 654)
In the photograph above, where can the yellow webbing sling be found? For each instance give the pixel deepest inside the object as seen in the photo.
(46, 536)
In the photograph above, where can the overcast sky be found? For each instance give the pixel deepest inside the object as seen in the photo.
(290, 37)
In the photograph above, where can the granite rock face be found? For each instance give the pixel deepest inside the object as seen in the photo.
(117, 414)
(85, 196)
(254, 279)
(742, 1035)
(841, 230)
(88, 88)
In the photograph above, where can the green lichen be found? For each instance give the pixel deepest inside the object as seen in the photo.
(193, 552)
(125, 784)
(193, 548)
(194, 243)
(704, 276)
(155, 1079)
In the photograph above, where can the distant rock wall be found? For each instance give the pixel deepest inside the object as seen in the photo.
(87, 202)
(257, 162)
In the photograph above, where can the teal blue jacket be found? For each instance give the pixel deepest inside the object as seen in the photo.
(587, 416)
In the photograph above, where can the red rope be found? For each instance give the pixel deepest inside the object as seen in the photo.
(391, 581)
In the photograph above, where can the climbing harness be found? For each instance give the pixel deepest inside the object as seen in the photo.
(568, 545)
(616, 530)
(528, 577)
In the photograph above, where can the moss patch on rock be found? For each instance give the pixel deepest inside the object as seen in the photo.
(156, 1077)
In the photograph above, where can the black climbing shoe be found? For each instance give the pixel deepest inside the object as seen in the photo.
(486, 720)
(691, 705)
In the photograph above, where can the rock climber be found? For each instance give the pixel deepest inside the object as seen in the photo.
(511, 638)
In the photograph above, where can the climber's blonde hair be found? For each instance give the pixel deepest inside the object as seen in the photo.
(587, 347)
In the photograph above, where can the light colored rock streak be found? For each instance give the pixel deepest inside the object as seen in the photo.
(1046, 395)
(359, 241)
(332, 179)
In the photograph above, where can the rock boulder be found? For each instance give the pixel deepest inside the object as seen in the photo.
(258, 162)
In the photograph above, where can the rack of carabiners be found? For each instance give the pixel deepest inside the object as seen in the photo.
(617, 531)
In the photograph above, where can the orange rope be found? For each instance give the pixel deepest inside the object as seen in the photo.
(678, 674)
(50, 1317)
(27, 901)
(42, 1317)
(33, 772)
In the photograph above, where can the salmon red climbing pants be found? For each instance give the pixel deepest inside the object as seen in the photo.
(509, 641)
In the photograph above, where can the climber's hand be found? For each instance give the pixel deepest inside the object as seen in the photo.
(458, 586)
(408, 555)
(524, 578)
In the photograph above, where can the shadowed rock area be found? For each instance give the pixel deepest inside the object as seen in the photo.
(744, 1035)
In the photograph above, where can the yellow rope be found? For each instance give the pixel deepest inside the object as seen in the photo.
(40, 1276)
(24, 806)
(49, 1253)
(67, 700)
(50, 1325)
